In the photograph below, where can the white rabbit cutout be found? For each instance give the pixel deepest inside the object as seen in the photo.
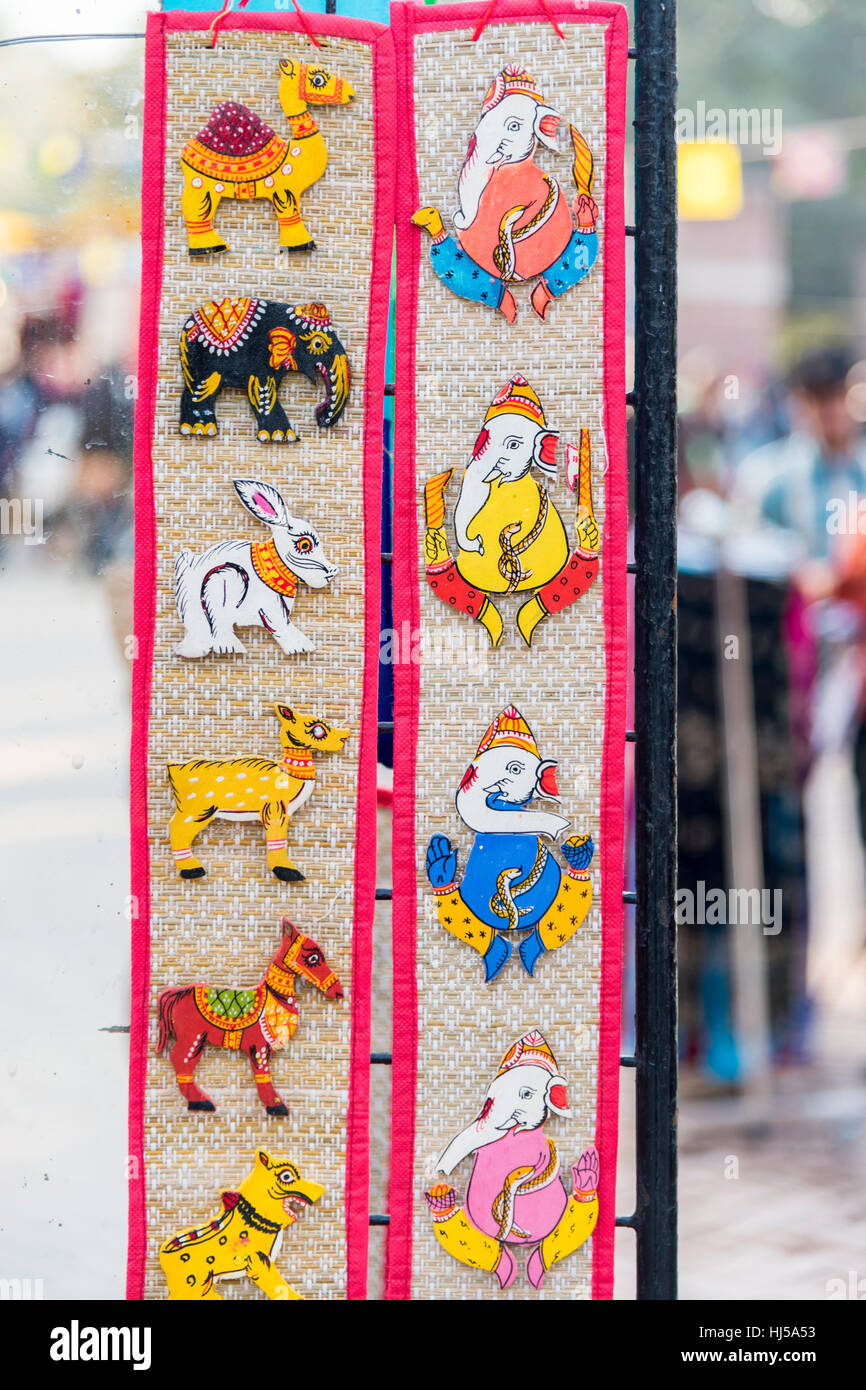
(249, 584)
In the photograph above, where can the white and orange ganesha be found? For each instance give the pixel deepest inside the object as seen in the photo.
(510, 538)
(516, 1195)
(512, 220)
(512, 881)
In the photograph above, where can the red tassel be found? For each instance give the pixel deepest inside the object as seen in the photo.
(224, 13)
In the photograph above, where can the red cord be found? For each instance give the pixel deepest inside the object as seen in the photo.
(485, 19)
(214, 26)
(224, 13)
(550, 15)
(306, 23)
(482, 23)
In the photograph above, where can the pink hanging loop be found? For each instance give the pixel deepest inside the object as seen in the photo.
(551, 16)
(485, 19)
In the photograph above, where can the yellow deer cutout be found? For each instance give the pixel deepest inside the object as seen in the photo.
(251, 789)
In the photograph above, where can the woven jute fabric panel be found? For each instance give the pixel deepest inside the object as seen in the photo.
(465, 353)
(223, 929)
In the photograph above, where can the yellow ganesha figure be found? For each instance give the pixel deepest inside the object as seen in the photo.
(510, 537)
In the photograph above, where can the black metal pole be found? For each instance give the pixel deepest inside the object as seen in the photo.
(655, 646)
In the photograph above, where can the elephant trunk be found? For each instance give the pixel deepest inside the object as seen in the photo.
(334, 371)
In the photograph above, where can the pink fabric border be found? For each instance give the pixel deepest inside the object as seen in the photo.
(406, 20)
(358, 1112)
(152, 217)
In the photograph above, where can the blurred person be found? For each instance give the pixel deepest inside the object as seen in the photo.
(44, 399)
(103, 487)
(802, 486)
(703, 438)
(95, 525)
(725, 572)
(794, 482)
(840, 584)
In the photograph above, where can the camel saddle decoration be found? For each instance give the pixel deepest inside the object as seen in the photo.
(516, 1197)
(512, 221)
(256, 1021)
(510, 536)
(513, 881)
(243, 1239)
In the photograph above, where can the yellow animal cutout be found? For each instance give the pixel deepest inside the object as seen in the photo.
(237, 155)
(244, 1238)
(251, 789)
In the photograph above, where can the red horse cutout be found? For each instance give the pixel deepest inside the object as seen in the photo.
(256, 1021)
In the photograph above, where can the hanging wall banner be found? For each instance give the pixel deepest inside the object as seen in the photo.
(510, 606)
(268, 224)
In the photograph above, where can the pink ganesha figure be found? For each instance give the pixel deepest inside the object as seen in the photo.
(516, 1195)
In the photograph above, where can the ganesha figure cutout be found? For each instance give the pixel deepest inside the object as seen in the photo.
(510, 537)
(512, 220)
(512, 881)
(516, 1195)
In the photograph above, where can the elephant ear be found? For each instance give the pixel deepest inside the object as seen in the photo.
(544, 450)
(547, 122)
(263, 501)
(283, 343)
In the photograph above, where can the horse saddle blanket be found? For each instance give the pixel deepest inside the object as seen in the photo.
(233, 1010)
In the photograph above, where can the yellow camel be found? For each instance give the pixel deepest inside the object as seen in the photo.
(237, 155)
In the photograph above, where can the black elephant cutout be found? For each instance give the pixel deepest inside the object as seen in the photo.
(251, 344)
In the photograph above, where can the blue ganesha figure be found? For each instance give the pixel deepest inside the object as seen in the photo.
(513, 881)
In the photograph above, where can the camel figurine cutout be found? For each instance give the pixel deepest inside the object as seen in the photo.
(244, 1237)
(516, 1197)
(510, 537)
(255, 1021)
(512, 881)
(249, 583)
(512, 221)
(251, 344)
(251, 789)
(237, 155)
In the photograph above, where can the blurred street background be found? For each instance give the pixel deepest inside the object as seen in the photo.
(772, 607)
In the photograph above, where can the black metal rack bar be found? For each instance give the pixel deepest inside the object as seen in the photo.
(655, 1219)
